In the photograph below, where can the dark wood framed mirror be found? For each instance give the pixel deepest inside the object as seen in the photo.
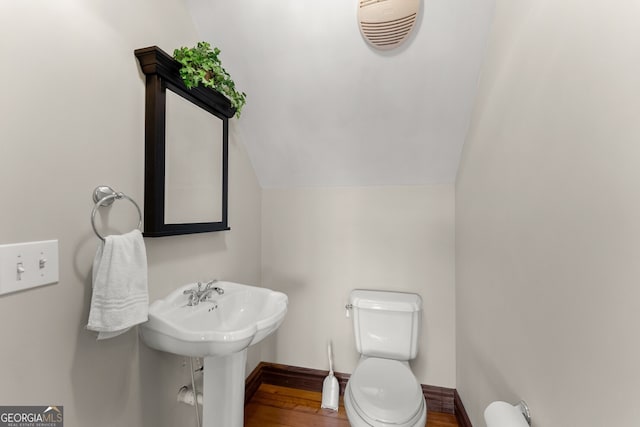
(186, 151)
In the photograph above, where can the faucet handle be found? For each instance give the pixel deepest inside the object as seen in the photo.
(210, 283)
(193, 296)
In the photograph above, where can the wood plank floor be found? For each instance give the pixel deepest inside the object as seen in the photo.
(275, 406)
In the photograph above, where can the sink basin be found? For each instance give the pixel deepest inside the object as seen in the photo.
(218, 326)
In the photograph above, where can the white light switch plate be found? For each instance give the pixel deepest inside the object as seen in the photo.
(27, 265)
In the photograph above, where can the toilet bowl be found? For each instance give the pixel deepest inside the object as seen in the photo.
(382, 391)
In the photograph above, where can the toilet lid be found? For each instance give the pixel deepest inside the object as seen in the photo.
(386, 390)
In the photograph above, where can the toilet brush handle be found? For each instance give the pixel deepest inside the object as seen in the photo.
(330, 354)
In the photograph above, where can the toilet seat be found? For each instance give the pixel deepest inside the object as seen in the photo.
(386, 393)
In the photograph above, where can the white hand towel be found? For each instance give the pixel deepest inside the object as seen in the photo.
(120, 296)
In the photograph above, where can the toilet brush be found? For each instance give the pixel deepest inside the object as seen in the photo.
(330, 388)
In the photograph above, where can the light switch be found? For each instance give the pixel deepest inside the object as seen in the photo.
(20, 270)
(28, 265)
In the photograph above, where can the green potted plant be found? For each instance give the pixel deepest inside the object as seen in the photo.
(200, 65)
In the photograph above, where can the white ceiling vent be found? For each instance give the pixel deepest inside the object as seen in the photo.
(387, 23)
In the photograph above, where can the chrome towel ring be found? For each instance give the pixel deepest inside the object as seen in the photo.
(104, 196)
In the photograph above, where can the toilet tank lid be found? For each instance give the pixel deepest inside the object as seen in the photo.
(385, 300)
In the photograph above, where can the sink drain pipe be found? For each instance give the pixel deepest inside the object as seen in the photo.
(195, 392)
(186, 395)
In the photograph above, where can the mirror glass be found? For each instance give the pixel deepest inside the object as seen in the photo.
(193, 168)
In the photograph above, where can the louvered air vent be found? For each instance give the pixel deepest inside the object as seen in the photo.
(387, 23)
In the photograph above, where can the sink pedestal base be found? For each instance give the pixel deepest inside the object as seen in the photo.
(223, 392)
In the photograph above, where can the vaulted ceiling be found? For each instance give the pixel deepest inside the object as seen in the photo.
(324, 108)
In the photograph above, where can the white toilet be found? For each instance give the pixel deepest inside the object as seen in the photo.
(382, 391)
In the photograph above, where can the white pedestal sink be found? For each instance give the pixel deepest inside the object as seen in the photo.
(219, 328)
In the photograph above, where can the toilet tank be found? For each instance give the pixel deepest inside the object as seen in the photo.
(386, 324)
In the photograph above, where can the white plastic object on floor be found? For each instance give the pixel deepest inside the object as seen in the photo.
(330, 387)
(503, 414)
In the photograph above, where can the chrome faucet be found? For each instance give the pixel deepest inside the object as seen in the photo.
(199, 294)
(209, 289)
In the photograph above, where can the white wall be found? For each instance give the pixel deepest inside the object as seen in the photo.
(323, 105)
(547, 208)
(72, 109)
(320, 243)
